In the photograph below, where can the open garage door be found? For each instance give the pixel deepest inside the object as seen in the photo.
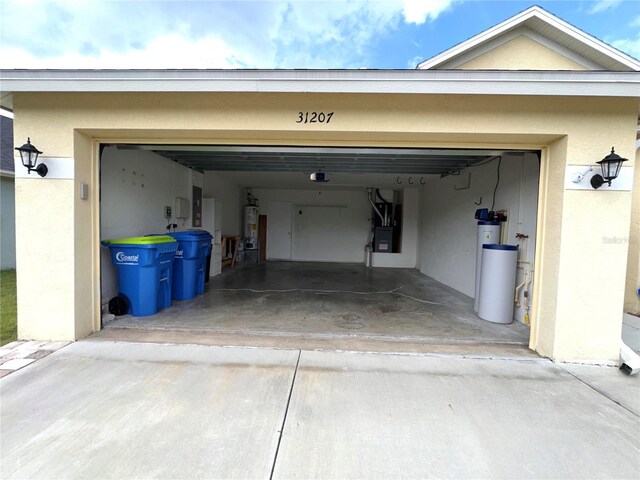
(379, 244)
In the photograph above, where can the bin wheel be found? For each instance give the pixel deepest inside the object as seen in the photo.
(119, 305)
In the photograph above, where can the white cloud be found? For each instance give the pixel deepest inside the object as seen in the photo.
(602, 5)
(202, 34)
(332, 34)
(418, 11)
(413, 62)
(167, 51)
(134, 34)
(628, 45)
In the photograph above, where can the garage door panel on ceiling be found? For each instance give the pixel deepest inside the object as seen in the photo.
(332, 165)
(415, 161)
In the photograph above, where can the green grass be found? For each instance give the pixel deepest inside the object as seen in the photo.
(8, 309)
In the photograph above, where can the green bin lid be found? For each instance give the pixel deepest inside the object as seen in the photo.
(151, 240)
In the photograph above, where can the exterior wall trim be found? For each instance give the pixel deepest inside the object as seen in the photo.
(60, 168)
(438, 82)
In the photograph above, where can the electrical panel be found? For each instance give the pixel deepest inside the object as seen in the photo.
(182, 208)
(196, 221)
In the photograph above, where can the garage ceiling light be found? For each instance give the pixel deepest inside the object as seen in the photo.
(319, 177)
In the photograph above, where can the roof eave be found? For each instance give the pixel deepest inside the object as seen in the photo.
(452, 82)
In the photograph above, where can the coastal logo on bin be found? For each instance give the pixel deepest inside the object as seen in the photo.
(123, 258)
(178, 253)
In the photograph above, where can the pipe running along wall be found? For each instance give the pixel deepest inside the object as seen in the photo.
(375, 207)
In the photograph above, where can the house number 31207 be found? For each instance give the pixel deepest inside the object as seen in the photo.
(314, 117)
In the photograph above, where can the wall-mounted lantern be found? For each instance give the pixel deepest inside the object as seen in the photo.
(29, 155)
(610, 165)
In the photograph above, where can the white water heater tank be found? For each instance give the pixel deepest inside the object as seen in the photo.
(498, 283)
(488, 232)
(250, 228)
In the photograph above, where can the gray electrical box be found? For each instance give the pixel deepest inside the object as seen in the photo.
(84, 191)
(182, 208)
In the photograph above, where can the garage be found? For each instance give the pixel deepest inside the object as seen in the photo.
(517, 120)
(360, 247)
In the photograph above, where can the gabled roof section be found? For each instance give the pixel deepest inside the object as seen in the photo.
(547, 30)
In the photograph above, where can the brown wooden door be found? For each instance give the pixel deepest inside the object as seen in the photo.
(262, 237)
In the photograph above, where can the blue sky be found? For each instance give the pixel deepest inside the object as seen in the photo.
(273, 34)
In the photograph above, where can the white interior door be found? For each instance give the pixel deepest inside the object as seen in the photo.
(279, 231)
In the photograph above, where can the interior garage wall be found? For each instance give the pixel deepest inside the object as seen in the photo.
(135, 187)
(448, 245)
(333, 226)
(229, 200)
(7, 223)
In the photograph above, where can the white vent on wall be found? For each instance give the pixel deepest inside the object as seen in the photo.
(182, 208)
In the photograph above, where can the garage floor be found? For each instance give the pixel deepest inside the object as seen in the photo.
(329, 301)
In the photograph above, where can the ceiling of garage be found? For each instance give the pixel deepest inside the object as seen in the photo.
(398, 161)
(289, 167)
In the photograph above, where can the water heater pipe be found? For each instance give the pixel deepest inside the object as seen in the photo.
(387, 206)
(527, 287)
(375, 208)
(517, 297)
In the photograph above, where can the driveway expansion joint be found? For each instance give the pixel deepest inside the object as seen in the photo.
(284, 418)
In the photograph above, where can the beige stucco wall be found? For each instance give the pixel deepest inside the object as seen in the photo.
(521, 53)
(580, 283)
(632, 299)
(45, 259)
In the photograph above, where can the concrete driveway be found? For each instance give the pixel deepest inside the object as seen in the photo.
(126, 410)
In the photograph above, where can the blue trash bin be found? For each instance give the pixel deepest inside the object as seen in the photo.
(145, 268)
(207, 245)
(189, 266)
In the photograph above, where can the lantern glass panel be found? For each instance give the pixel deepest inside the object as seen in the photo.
(615, 168)
(26, 158)
(33, 158)
(608, 169)
(611, 169)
